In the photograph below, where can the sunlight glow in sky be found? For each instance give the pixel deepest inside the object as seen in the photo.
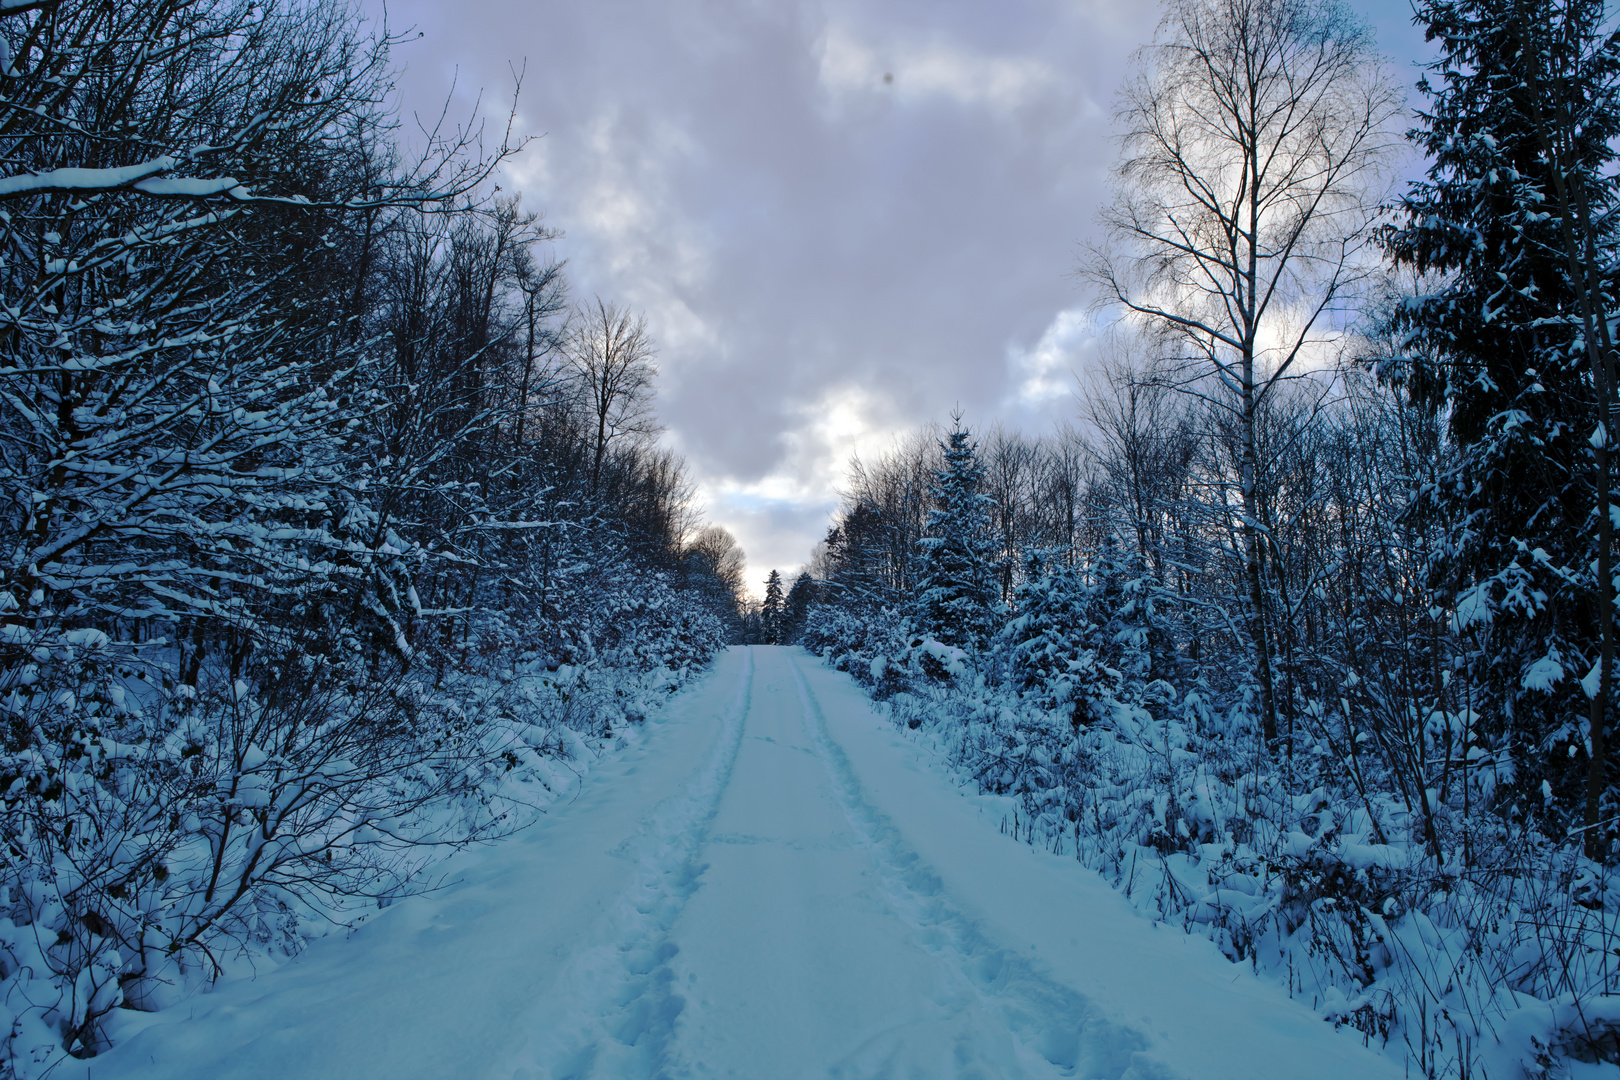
(842, 219)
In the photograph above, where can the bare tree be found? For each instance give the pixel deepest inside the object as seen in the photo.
(1144, 443)
(612, 356)
(715, 551)
(1254, 131)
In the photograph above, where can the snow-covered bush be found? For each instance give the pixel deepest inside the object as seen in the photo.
(154, 832)
(302, 581)
(1316, 869)
(1052, 644)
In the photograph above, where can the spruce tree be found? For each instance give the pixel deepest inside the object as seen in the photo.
(957, 590)
(1053, 644)
(1086, 634)
(856, 557)
(1514, 223)
(770, 613)
(797, 607)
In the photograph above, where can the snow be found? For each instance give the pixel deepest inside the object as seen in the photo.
(191, 187)
(1592, 681)
(139, 177)
(767, 881)
(82, 179)
(1543, 675)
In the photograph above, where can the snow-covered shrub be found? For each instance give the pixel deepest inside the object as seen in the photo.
(655, 627)
(301, 581)
(153, 831)
(872, 645)
(1315, 862)
(150, 826)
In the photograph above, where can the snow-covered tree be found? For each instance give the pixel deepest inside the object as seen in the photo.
(957, 587)
(770, 610)
(1052, 644)
(298, 506)
(1515, 225)
(183, 389)
(713, 566)
(797, 606)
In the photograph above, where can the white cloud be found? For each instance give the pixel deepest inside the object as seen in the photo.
(777, 516)
(845, 421)
(916, 71)
(1042, 374)
(531, 170)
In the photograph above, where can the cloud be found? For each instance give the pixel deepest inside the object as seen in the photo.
(917, 71)
(825, 258)
(774, 515)
(1045, 372)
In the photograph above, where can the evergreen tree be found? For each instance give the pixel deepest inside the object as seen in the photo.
(855, 557)
(957, 590)
(1515, 222)
(1085, 635)
(1052, 644)
(797, 609)
(771, 611)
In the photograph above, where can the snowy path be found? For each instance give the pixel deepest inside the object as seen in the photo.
(773, 883)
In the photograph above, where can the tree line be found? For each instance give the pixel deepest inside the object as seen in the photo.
(1315, 603)
(327, 516)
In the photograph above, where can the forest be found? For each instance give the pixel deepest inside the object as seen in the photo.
(333, 527)
(336, 532)
(1303, 631)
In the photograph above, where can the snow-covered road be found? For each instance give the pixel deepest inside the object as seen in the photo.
(771, 883)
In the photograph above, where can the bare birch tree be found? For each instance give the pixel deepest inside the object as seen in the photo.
(612, 355)
(1254, 134)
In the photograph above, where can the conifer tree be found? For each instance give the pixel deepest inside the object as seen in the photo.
(797, 606)
(771, 611)
(1515, 221)
(1052, 644)
(957, 589)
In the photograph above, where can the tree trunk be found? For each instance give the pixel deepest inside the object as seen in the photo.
(1251, 560)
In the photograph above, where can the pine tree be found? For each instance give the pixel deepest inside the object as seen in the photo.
(1515, 222)
(957, 590)
(771, 611)
(797, 609)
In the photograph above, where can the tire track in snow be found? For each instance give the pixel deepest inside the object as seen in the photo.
(1064, 1027)
(621, 1005)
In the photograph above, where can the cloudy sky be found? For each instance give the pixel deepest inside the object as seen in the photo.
(842, 219)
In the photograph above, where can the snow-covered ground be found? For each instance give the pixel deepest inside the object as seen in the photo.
(769, 881)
